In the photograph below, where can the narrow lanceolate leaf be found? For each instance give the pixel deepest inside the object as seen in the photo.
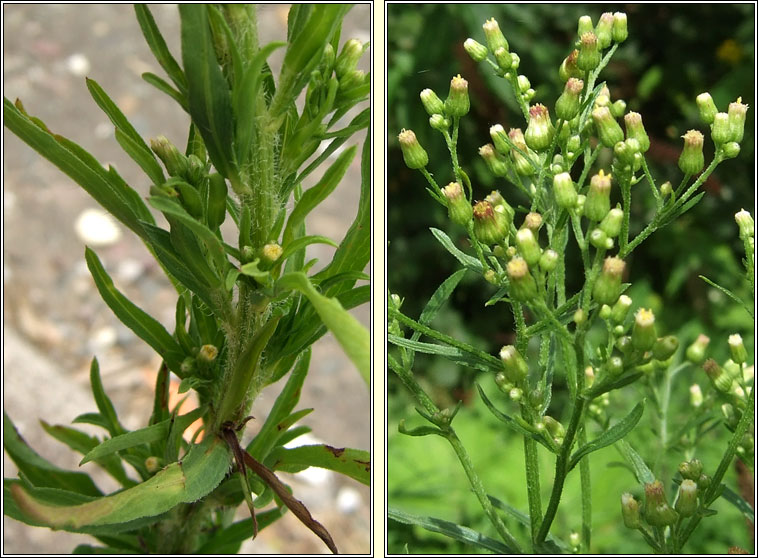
(350, 333)
(453, 354)
(145, 326)
(103, 402)
(145, 159)
(452, 530)
(38, 470)
(318, 193)
(471, 263)
(208, 92)
(201, 470)
(510, 422)
(158, 46)
(354, 463)
(641, 470)
(162, 85)
(610, 436)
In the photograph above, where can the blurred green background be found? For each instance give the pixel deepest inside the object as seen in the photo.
(673, 53)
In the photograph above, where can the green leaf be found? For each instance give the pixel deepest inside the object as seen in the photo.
(145, 326)
(103, 402)
(353, 463)
(510, 422)
(201, 470)
(38, 470)
(318, 193)
(738, 502)
(349, 332)
(610, 436)
(452, 530)
(95, 419)
(641, 471)
(469, 262)
(302, 242)
(523, 518)
(454, 354)
(229, 540)
(158, 47)
(730, 294)
(89, 549)
(162, 85)
(145, 160)
(207, 91)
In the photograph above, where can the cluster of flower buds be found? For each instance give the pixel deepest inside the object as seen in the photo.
(727, 128)
(349, 78)
(592, 41)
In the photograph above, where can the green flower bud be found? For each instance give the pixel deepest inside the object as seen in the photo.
(706, 107)
(696, 396)
(731, 149)
(568, 104)
(457, 103)
(528, 246)
(348, 59)
(521, 164)
(620, 310)
(721, 380)
(598, 202)
(248, 254)
(589, 52)
(175, 162)
(580, 316)
(414, 155)
(691, 469)
(666, 189)
(574, 143)
(569, 68)
(704, 481)
(665, 347)
(351, 80)
(522, 285)
(618, 108)
(691, 161)
(498, 202)
(490, 226)
(636, 130)
(523, 83)
(476, 50)
(188, 366)
(737, 348)
(737, 114)
(439, 122)
(533, 222)
(565, 193)
(686, 503)
(657, 511)
(516, 368)
(624, 344)
(504, 59)
(608, 285)
(585, 25)
(604, 30)
(498, 135)
(554, 428)
(605, 312)
(539, 133)
(432, 103)
(609, 131)
(495, 37)
(549, 260)
(207, 354)
(328, 60)
(630, 511)
(620, 32)
(746, 224)
(515, 61)
(152, 464)
(589, 376)
(615, 366)
(516, 394)
(491, 277)
(643, 331)
(458, 207)
(720, 132)
(611, 223)
(695, 353)
(496, 162)
(502, 382)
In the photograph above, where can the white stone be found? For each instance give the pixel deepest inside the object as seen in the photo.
(78, 64)
(96, 227)
(348, 500)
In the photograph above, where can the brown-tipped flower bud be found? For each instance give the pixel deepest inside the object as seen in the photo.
(495, 37)
(475, 50)
(458, 207)
(608, 285)
(539, 133)
(643, 331)
(152, 464)
(609, 131)
(737, 114)
(589, 52)
(706, 107)
(522, 285)
(636, 130)
(496, 162)
(604, 30)
(630, 511)
(692, 161)
(414, 155)
(516, 368)
(432, 103)
(569, 68)
(658, 513)
(721, 380)
(598, 202)
(568, 104)
(564, 190)
(490, 226)
(457, 102)
(686, 503)
(620, 32)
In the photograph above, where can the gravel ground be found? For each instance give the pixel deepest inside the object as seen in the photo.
(54, 318)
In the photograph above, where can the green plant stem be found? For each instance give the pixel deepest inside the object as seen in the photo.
(406, 376)
(653, 188)
(648, 539)
(452, 147)
(532, 478)
(626, 199)
(478, 488)
(586, 489)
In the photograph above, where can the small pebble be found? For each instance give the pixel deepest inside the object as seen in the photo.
(129, 270)
(348, 500)
(78, 65)
(95, 227)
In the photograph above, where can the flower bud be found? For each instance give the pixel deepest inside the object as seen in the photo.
(696, 396)
(666, 189)
(720, 132)
(615, 366)
(611, 223)
(528, 246)
(458, 207)
(549, 260)
(589, 52)
(643, 330)
(568, 104)
(498, 135)
(620, 32)
(657, 512)
(746, 224)
(522, 285)
(414, 155)
(608, 285)
(730, 149)
(737, 113)
(498, 202)
(175, 162)
(532, 221)
(432, 103)
(516, 394)
(665, 347)
(502, 382)
(207, 354)
(600, 240)
(476, 50)
(188, 366)
(496, 162)
(721, 380)
(618, 108)
(271, 252)
(630, 511)
(490, 226)
(495, 37)
(521, 164)
(624, 344)
(706, 107)
(152, 464)
(609, 131)
(691, 161)
(569, 68)
(695, 353)
(585, 25)
(515, 61)
(439, 122)
(491, 277)
(554, 428)
(504, 59)
(636, 130)
(348, 58)
(604, 30)
(620, 310)
(539, 133)
(523, 83)
(574, 143)
(565, 193)
(457, 103)
(516, 368)
(605, 312)
(686, 503)
(737, 348)
(691, 469)
(598, 202)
